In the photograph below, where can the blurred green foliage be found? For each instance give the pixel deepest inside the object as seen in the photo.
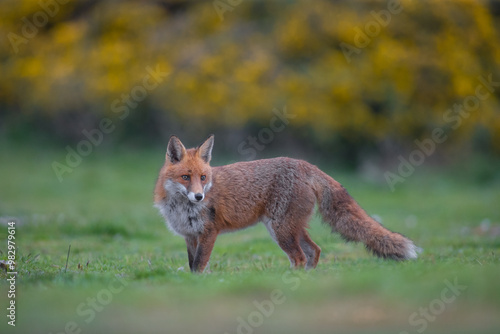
(230, 67)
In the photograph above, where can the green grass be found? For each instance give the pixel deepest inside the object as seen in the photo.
(123, 257)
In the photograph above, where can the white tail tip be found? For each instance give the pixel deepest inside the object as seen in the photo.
(412, 251)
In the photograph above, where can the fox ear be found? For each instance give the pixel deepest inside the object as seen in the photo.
(175, 150)
(205, 149)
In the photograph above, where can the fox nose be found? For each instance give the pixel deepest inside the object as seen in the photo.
(198, 197)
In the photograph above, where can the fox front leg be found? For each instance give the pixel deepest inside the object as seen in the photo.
(205, 246)
(191, 243)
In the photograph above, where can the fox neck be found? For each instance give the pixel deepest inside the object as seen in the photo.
(182, 216)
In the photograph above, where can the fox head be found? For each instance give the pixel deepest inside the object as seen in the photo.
(188, 171)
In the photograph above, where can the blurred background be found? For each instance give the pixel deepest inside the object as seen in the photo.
(361, 80)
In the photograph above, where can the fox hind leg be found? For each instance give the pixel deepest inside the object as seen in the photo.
(288, 242)
(310, 249)
(287, 216)
(291, 246)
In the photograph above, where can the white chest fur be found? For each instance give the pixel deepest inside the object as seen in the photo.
(182, 216)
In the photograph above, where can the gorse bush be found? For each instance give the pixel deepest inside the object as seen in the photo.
(368, 72)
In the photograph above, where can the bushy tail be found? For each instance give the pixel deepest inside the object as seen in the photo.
(345, 216)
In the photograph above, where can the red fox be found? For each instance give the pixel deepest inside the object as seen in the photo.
(199, 202)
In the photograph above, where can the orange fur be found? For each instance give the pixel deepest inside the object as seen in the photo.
(280, 192)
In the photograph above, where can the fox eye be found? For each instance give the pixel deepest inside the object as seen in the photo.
(185, 177)
(203, 177)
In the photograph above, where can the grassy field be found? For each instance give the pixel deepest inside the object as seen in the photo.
(128, 274)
